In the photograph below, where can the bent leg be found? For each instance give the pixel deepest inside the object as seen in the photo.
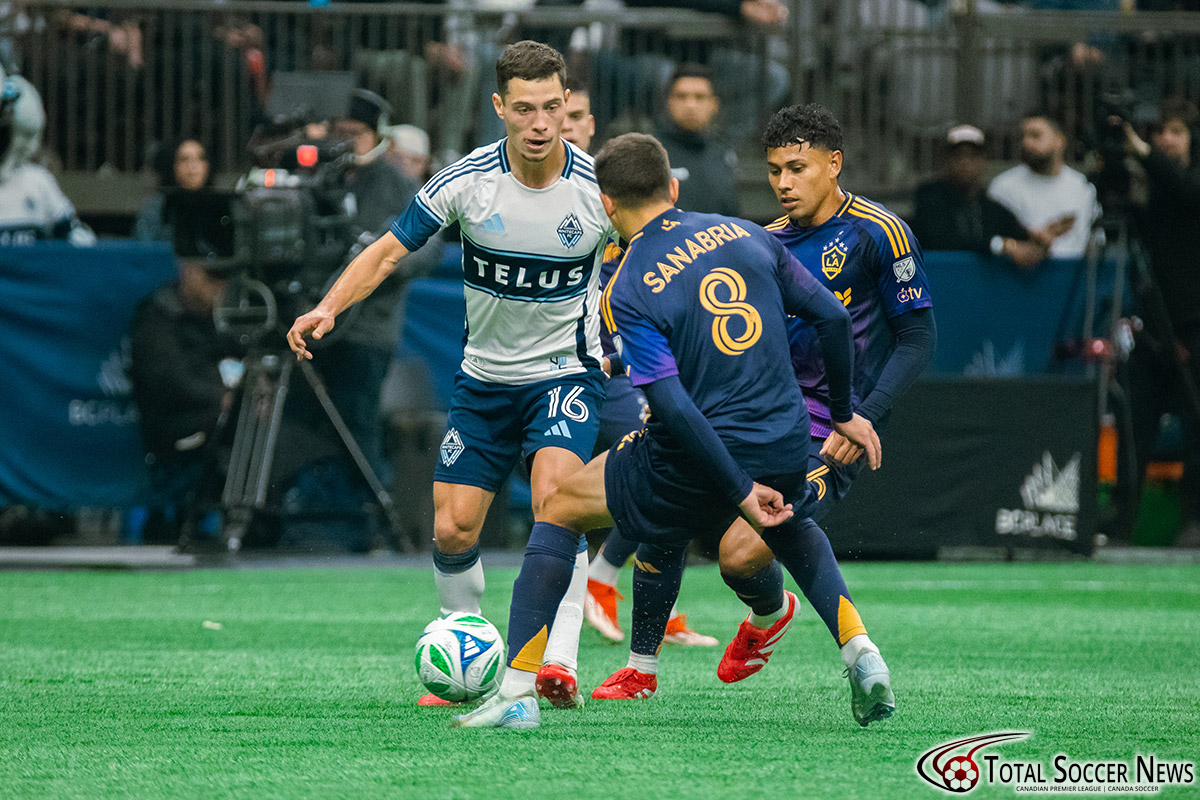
(459, 511)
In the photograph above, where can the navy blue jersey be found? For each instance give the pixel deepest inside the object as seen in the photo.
(705, 297)
(870, 259)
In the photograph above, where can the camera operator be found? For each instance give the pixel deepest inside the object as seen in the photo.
(1164, 367)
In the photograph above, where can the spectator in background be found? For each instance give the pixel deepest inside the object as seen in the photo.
(1043, 191)
(32, 206)
(955, 213)
(181, 170)
(408, 151)
(1164, 367)
(178, 385)
(703, 164)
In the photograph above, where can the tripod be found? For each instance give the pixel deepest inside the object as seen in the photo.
(265, 387)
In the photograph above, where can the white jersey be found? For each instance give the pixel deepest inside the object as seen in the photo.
(32, 207)
(531, 263)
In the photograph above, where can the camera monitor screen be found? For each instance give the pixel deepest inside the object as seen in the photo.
(313, 96)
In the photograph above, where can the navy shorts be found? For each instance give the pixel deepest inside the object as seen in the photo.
(828, 482)
(652, 501)
(491, 425)
(624, 411)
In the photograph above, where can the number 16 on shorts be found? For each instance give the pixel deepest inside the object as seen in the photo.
(569, 405)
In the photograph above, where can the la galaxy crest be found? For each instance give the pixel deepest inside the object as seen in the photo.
(570, 231)
(833, 258)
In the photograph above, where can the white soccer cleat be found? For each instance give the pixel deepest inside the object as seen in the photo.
(871, 697)
(678, 632)
(600, 610)
(510, 713)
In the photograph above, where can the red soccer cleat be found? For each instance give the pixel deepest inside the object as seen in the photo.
(751, 648)
(600, 609)
(627, 684)
(558, 684)
(678, 632)
(434, 700)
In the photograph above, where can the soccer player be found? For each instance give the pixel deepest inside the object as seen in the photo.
(624, 410)
(698, 308)
(533, 234)
(868, 257)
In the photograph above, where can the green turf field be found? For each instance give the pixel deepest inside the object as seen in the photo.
(112, 686)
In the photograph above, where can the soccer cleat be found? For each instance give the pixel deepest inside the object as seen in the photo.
(557, 684)
(752, 647)
(627, 684)
(511, 713)
(679, 633)
(600, 609)
(433, 700)
(871, 697)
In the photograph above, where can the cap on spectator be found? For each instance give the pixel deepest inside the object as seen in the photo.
(964, 134)
(368, 108)
(410, 139)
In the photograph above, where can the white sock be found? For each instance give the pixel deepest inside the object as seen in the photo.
(767, 620)
(601, 570)
(563, 645)
(854, 647)
(460, 591)
(646, 664)
(517, 682)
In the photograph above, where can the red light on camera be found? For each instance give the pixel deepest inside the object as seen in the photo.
(306, 155)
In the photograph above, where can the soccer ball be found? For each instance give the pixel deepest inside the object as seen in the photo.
(460, 657)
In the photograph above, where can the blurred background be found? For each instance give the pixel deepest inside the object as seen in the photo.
(180, 178)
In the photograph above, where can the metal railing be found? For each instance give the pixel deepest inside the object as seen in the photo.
(897, 72)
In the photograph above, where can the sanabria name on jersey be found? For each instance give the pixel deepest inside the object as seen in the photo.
(698, 244)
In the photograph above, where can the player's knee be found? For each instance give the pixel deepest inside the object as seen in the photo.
(454, 534)
(743, 553)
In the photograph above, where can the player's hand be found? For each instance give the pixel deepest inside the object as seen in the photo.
(840, 450)
(317, 322)
(861, 432)
(764, 507)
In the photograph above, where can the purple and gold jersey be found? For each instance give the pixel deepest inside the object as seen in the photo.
(703, 296)
(869, 258)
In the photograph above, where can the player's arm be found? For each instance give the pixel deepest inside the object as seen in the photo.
(916, 339)
(369, 268)
(357, 281)
(805, 298)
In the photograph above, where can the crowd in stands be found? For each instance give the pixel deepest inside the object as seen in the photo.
(1023, 214)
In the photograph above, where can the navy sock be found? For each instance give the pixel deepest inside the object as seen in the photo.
(617, 549)
(804, 549)
(454, 563)
(545, 574)
(762, 591)
(657, 573)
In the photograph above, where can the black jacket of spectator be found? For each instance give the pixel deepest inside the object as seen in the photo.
(947, 218)
(1170, 230)
(176, 380)
(705, 167)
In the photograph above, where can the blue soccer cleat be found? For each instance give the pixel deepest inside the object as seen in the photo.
(510, 713)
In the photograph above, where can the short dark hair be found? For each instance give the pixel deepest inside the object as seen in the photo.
(812, 123)
(1049, 116)
(690, 69)
(1178, 108)
(633, 169)
(529, 61)
(576, 86)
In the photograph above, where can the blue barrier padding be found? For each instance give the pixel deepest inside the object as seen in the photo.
(69, 432)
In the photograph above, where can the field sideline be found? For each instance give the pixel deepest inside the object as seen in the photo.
(302, 685)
